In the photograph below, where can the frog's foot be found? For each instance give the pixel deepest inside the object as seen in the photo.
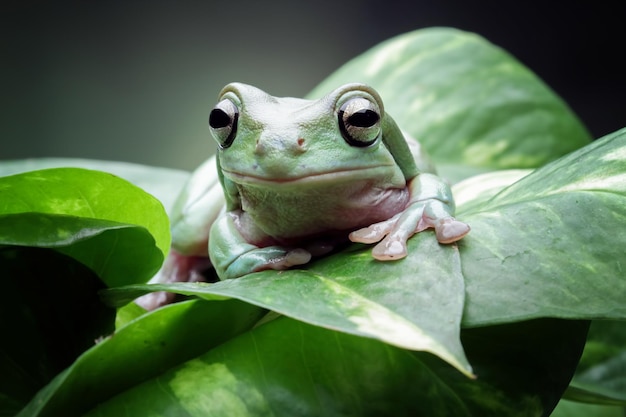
(392, 235)
(394, 232)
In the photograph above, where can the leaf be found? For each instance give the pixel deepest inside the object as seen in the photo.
(84, 193)
(110, 225)
(287, 367)
(415, 303)
(467, 101)
(453, 173)
(163, 183)
(50, 314)
(574, 409)
(551, 245)
(475, 191)
(120, 254)
(143, 349)
(607, 339)
(601, 374)
(592, 394)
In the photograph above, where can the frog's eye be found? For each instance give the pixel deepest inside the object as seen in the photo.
(359, 121)
(223, 122)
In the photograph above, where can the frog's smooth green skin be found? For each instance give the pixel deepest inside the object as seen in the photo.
(299, 175)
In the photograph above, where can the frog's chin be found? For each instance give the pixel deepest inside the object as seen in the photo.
(324, 177)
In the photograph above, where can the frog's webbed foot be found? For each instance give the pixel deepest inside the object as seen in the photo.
(394, 232)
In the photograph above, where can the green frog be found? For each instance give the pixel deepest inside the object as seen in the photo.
(294, 178)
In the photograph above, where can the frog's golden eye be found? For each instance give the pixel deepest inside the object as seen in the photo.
(359, 121)
(223, 122)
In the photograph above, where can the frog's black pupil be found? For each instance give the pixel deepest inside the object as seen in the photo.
(363, 118)
(218, 119)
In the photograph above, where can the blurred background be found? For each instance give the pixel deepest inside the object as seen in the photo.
(134, 80)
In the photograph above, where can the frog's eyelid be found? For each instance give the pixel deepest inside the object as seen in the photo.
(223, 121)
(359, 121)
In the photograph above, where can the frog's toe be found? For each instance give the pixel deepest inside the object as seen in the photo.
(366, 235)
(450, 230)
(390, 249)
(374, 232)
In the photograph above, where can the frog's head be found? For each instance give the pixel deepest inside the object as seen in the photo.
(271, 140)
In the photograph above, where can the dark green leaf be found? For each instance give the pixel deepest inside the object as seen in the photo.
(601, 374)
(607, 339)
(286, 368)
(467, 101)
(142, 349)
(575, 409)
(50, 313)
(594, 394)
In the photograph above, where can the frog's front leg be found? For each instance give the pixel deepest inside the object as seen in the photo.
(233, 256)
(431, 206)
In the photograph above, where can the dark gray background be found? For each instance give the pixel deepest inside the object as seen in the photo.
(135, 80)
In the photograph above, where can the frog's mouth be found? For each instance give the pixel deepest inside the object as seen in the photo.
(380, 173)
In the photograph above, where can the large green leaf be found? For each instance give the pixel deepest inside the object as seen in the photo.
(415, 303)
(286, 368)
(108, 224)
(143, 349)
(50, 314)
(467, 101)
(551, 245)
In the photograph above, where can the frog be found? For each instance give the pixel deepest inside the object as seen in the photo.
(293, 179)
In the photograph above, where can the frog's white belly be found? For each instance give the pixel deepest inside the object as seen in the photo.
(313, 211)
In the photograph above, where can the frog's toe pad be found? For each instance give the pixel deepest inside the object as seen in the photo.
(450, 230)
(390, 249)
(365, 235)
(374, 232)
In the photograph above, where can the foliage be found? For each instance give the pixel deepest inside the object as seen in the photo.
(493, 326)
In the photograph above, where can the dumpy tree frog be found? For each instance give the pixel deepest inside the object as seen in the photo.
(300, 176)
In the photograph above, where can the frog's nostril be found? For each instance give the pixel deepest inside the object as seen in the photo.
(259, 149)
(300, 145)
